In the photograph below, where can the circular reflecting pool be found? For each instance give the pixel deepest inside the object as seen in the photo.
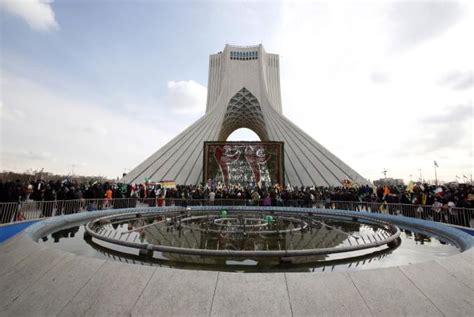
(250, 241)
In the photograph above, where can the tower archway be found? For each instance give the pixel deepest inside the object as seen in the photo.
(243, 134)
(243, 111)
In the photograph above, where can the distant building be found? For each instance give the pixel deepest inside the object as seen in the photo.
(389, 181)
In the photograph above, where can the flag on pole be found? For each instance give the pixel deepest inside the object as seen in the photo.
(436, 164)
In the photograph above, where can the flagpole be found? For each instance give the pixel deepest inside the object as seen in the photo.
(436, 176)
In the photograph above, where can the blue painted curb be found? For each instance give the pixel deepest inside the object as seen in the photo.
(9, 230)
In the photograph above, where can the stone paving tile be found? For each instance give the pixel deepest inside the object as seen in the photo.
(445, 291)
(321, 294)
(112, 290)
(468, 255)
(388, 292)
(15, 250)
(37, 280)
(173, 292)
(255, 294)
(460, 268)
(52, 292)
(11, 242)
(15, 282)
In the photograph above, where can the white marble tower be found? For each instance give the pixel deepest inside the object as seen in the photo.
(244, 92)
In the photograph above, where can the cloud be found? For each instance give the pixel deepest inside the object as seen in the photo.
(30, 155)
(411, 23)
(95, 130)
(451, 115)
(458, 80)
(379, 77)
(333, 67)
(449, 130)
(58, 130)
(10, 113)
(186, 97)
(37, 13)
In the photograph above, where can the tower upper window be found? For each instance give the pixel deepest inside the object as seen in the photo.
(244, 56)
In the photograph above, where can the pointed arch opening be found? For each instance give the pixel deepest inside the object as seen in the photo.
(243, 134)
(243, 111)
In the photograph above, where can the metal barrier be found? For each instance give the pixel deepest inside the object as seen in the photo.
(12, 212)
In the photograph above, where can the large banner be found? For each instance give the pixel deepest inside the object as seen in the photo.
(244, 163)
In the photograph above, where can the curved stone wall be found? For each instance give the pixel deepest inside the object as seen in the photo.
(462, 239)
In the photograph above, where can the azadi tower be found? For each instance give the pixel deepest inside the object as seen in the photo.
(244, 92)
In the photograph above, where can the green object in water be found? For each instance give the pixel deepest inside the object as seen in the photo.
(268, 218)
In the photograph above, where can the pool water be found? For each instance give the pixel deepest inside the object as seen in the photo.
(413, 248)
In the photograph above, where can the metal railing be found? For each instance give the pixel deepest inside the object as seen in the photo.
(12, 212)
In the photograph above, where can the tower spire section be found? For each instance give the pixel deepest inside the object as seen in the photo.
(244, 66)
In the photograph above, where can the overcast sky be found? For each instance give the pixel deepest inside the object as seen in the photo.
(101, 85)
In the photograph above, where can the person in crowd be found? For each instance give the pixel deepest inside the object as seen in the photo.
(443, 203)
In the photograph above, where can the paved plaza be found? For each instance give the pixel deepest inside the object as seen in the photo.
(42, 281)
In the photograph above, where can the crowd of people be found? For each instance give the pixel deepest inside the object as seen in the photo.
(458, 195)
